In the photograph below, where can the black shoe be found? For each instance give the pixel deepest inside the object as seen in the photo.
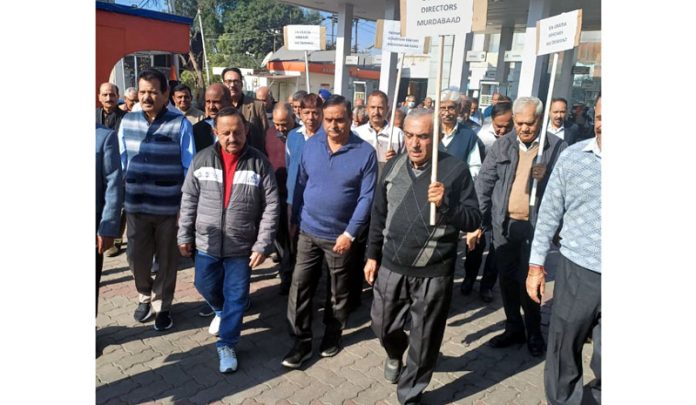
(392, 370)
(330, 344)
(506, 339)
(536, 345)
(205, 310)
(284, 289)
(163, 321)
(486, 295)
(466, 287)
(248, 304)
(300, 352)
(143, 312)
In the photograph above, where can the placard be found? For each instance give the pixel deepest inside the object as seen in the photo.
(388, 38)
(559, 33)
(513, 56)
(421, 18)
(475, 56)
(304, 37)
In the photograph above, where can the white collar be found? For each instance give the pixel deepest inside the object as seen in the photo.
(593, 147)
(524, 147)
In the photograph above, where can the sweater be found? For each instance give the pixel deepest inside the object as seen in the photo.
(400, 236)
(155, 157)
(334, 191)
(293, 153)
(573, 196)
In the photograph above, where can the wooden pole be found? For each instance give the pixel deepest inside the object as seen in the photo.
(544, 125)
(306, 68)
(205, 54)
(436, 125)
(394, 101)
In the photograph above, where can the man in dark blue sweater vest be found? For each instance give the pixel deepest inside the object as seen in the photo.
(416, 261)
(332, 199)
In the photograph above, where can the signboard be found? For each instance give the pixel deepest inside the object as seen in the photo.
(513, 56)
(376, 59)
(581, 70)
(476, 56)
(352, 60)
(421, 19)
(559, 33)
(304, 37)
(388, 38)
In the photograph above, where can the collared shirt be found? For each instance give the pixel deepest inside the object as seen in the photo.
(194, 115)
(594, 148)
(524, 147)
(488, 136)
(380, 141)
(559, 132)
(474, 158)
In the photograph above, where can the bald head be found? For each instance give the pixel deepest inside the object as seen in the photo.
(108, 96)
(217, 96)
(263, 94)
(282, 118)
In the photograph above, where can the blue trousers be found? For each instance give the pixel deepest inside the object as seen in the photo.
(224, 284)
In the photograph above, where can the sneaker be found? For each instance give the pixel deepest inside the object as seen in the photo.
(300, 352)
(330, 345)
(143, 312)
(392, 370)
(228, 359)
(214, 328)
(113, 251)
(466, 287)
(486, 295)
(206, 311)
(163, 321)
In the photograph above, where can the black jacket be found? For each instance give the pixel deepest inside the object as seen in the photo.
(113, 120)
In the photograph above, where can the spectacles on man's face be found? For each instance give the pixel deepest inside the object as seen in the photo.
(235, 81)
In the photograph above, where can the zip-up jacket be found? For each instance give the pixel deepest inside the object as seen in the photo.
(250, 220)
(494, 182)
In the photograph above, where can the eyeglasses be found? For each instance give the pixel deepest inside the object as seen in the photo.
(236, 81)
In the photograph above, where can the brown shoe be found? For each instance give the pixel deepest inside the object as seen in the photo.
(114, 250)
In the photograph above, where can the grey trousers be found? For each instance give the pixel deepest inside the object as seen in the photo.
(311, 252)
(575, 315)
(148, 235)
(427, 301)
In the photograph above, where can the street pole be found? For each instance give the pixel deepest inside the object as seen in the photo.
(306, 67)
(205, 54)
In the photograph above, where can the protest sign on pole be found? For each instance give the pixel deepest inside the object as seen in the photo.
(554, 34)
(445, 17)
(388, 38)
(305, 38)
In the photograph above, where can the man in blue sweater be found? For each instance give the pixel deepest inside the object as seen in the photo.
(332, 199)
(573, 196)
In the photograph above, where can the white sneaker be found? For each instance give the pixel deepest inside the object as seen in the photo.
(214, 328)
(228, 359)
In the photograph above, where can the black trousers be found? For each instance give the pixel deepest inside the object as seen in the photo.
(357, 264)
(311, 252)
(284, 243)
(473, 263)
(575, 315)
(426, 301)
(512, 259)
(100, 264)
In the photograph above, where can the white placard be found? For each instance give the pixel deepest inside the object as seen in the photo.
(392, 41)
(352, 60)
(476, 56)
(436, 17)
(513, 56)
(304, 37)
(376, 59)
(558, 33)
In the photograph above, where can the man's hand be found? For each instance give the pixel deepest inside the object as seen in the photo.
(536, 282)
(390, 154)
(473, 239)
(539, 171)
(342, 245)
(104, 243)
(436, 193)
(186, 249)
(256, 259)
(370, 271)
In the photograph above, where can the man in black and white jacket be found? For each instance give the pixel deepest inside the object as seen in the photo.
(229, 214)
(415, 261)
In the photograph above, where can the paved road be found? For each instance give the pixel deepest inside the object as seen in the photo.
(139, 365)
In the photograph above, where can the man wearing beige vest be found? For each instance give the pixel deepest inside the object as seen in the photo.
(503, 187)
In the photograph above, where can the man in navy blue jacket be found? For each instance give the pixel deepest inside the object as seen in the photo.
(332, 200)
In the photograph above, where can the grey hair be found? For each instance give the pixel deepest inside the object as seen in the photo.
(450, 95)
(130, 90)
(521, 102)
(360, 110)
(283, 107)
(297, 96)
(418, 113)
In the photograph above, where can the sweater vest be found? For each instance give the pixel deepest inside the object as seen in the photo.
(462, 143)
(154, 173)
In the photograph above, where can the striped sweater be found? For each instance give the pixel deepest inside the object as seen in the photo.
(154, 157)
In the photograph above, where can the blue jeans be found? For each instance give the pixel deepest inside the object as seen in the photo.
(224, 284)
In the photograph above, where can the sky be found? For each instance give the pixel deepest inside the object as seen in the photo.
(366, 29)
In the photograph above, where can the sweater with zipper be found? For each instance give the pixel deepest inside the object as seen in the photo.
(400, 237)
(249, 221)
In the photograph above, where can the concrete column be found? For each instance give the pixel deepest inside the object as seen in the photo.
(387, 72)
(459, 74)
(343, 42)
(502, 68)
(533, 67)
(564, 77)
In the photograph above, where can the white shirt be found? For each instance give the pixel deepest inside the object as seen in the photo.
(594, 148)
(524, 147)
(474, 158)
(170, 107)
(380, 141)
(488, 136)
(559, 132)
